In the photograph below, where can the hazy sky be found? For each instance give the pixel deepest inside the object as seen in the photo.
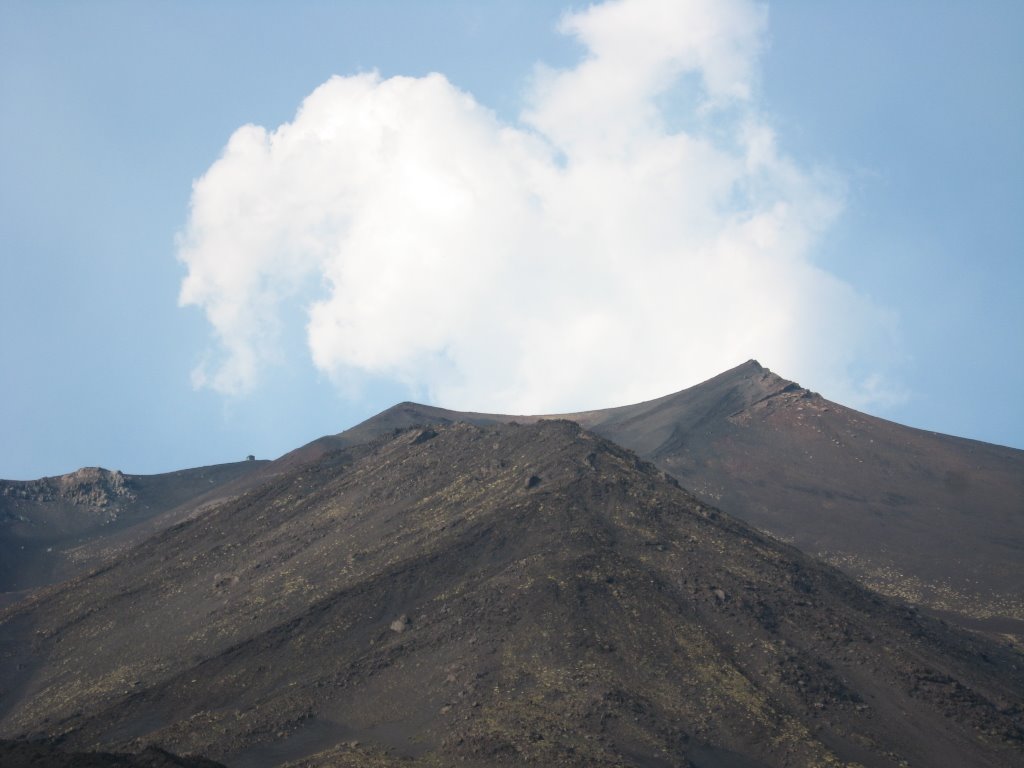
(231, 227)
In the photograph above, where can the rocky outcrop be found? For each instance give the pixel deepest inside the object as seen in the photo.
(87, 487)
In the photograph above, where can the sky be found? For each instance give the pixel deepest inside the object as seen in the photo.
(232, 227)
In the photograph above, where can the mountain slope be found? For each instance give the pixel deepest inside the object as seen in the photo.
(495, 595)
(928, 518)
(53, 527)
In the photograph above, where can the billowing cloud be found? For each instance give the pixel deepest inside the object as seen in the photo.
(637, 230)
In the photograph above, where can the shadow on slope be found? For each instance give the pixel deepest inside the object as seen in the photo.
(54, 527)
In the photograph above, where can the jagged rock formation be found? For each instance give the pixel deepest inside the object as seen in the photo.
(491, 596)
(92, 487)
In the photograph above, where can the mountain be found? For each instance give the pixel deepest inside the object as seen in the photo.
(495, 595)
(931, 519)
(935, 520)
(54, 527)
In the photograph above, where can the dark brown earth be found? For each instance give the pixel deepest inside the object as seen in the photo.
(41, 754)
(934, 520)
(499, 595)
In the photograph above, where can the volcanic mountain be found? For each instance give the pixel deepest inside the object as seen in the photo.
(931, 519)
(494, 595)
(935, 520)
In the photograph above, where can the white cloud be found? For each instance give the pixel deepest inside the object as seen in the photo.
(592, 254)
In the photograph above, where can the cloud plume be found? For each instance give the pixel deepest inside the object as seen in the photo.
(636, 230)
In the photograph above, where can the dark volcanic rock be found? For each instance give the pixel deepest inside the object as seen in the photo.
(41, 754)
(603, 617)
(927, 518)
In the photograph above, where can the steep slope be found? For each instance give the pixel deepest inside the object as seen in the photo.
(52, 527)
(928, 518)
(498, 595)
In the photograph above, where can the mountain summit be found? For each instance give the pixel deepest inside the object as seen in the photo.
(931, 519)
(495, 595)
(934, 520)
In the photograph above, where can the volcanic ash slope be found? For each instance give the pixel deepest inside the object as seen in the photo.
(496, 595)
(926, 518)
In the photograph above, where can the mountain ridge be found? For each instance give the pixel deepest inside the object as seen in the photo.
(496, 595)
(53, 527)
(932, 519)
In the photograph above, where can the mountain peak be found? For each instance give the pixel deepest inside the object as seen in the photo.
(793, 463)
(500, 595)
(92, 487)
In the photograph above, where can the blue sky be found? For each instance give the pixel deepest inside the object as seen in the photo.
(862, 165)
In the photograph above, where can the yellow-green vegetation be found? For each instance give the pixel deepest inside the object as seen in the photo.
(940, 594)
